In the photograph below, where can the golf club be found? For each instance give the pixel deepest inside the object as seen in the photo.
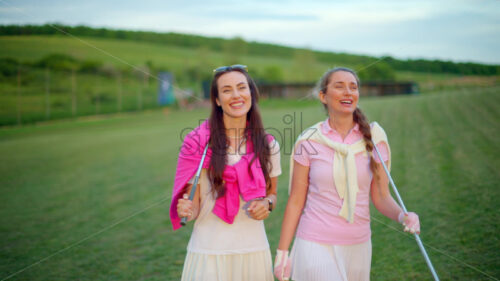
(417, 237)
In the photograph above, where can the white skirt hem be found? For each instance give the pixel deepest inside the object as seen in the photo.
(230, 267)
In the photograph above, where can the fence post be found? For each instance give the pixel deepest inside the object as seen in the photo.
(73, 93)
(47, 93)
(97, 99)
(19, 117)
(139, 97)
(145, 83)
(120, 88)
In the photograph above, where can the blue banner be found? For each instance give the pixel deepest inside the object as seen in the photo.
(166, 88)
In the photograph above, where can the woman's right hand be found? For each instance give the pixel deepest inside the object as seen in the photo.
(282, 265)
(185, 207)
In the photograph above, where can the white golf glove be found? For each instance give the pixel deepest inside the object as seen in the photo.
(282, 265)
(410, 221)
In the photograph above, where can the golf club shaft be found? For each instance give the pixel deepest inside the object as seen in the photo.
(195, 183)
(417, 237)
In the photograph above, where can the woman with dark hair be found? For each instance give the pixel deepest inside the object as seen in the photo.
(333, 174)
(237, 186)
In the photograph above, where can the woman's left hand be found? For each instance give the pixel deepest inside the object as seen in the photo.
(259, 209)
(410, 221)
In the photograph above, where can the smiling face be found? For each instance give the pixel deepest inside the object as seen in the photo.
(342, 93)
(234, 96)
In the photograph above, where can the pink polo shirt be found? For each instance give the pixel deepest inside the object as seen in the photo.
(320, 221)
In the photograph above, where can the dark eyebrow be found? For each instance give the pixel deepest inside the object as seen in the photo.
(342, 82)
(229, 86)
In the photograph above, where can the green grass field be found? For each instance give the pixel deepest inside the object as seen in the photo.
(71, 190)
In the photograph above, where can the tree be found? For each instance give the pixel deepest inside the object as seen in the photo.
(8, 67)
(272, 73)
(380, 71)
(304, 61)
(58, 62)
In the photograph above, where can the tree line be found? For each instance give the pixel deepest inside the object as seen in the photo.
(251, 48)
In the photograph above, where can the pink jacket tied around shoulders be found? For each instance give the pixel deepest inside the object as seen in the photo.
(250, 183)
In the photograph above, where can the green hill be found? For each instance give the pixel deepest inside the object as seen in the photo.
(47, 75)
(238, 45)
(124, 54)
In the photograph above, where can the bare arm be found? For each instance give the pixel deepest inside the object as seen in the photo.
(272, 194)
(381, 195)
(295, 205)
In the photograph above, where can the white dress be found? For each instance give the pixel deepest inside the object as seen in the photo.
(229, 252)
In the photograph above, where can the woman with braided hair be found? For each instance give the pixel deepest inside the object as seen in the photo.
(333, 174)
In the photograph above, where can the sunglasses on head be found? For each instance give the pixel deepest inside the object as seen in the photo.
(229, 68)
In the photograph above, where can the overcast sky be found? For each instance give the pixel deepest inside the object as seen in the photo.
(449, 30)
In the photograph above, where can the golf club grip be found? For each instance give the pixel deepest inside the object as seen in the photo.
(183, 221)
(191, 196)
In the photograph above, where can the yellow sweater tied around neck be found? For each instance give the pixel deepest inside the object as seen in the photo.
(345, 173)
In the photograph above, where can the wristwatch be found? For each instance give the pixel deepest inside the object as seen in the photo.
(270, 204)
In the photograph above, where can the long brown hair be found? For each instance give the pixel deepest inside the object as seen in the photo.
(219, 142)
(358, 116)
